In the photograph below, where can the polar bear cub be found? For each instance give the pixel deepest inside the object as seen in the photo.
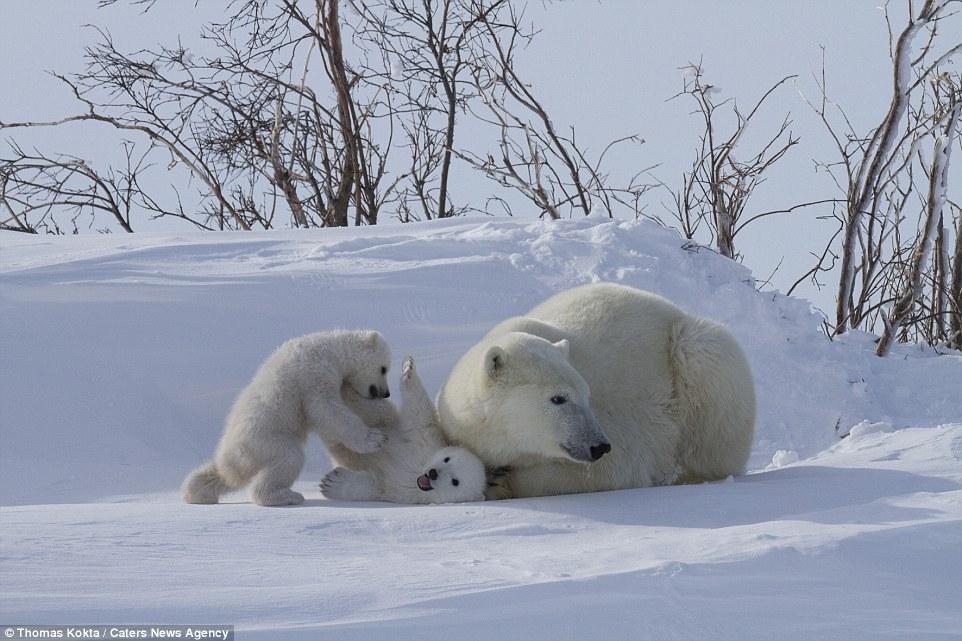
(298, 389)
(415, 466)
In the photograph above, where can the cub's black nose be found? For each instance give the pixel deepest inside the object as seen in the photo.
(387, 393)
(433, 474)
(597, 451)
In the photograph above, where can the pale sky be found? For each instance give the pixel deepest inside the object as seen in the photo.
(604, 66)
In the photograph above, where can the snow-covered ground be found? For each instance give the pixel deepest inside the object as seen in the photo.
(121, 354)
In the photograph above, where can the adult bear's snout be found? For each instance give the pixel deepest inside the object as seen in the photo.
(597, 451)
(586, 442)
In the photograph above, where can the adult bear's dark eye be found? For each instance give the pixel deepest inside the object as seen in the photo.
(559, 400)
(455, 482)
(384, 370)
(447, 459)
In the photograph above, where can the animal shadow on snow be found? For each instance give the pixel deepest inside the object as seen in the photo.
(806, 493)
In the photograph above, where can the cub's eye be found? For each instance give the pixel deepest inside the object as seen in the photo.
(559, 400)
(447, 459)
(384, 370)
(455, 482)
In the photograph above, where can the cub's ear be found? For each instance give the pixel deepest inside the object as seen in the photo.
(494, 361)
(563, 346)
(373, 338)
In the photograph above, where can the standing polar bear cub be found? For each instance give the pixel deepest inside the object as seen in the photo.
(603, 387)
(415, 465)
(298, 389)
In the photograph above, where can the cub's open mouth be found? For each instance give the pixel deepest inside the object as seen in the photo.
(424, 483)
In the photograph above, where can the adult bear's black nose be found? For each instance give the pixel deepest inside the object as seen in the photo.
(597, 451)
(433, 474)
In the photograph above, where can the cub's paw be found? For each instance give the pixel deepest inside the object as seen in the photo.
(334, 482)
(407, 369)
(279, 498)
(341, 484)
(371, 440)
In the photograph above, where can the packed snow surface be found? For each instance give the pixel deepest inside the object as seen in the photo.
(120, 356)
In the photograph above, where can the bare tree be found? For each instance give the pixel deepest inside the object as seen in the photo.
(548, 167)
(251, 124)
(876, 168)
(716, 190)
(300, 108)
(321, 137)
(35, 187)
(928, 236)
(430, 47)
(954, 285)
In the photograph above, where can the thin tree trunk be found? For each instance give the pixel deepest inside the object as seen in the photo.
(724, 224)
(940, 285)
(955, 291)
(342, 89)
(938, 185)
(282, 177)
(863, 188)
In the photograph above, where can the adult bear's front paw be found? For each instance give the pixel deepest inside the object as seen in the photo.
(499, 485)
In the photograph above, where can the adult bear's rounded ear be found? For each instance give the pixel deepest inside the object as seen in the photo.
(563, 346)
(494, 361)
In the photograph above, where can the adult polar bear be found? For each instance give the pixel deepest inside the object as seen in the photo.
(672, 393)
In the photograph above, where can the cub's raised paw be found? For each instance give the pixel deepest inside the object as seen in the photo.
(407, 369)
(369, 441)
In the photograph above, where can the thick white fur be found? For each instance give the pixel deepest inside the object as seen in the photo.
(298, 389)
(415, 446)
(672, 393)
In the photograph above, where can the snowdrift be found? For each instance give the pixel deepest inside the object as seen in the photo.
(121, 355)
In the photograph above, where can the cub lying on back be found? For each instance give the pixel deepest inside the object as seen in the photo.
(298, 389)
(415, 466)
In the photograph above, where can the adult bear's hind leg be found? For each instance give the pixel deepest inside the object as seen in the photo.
(714, 400)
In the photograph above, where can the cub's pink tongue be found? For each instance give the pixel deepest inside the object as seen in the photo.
(424, 482)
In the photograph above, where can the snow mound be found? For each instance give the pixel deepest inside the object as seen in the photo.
(122, 354)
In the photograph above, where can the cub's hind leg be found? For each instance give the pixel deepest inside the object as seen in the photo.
(272, 484)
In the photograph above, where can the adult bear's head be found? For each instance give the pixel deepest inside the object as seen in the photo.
(516, 399)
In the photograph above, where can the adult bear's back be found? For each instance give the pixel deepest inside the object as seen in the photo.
(619, 337)
(649, 359)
